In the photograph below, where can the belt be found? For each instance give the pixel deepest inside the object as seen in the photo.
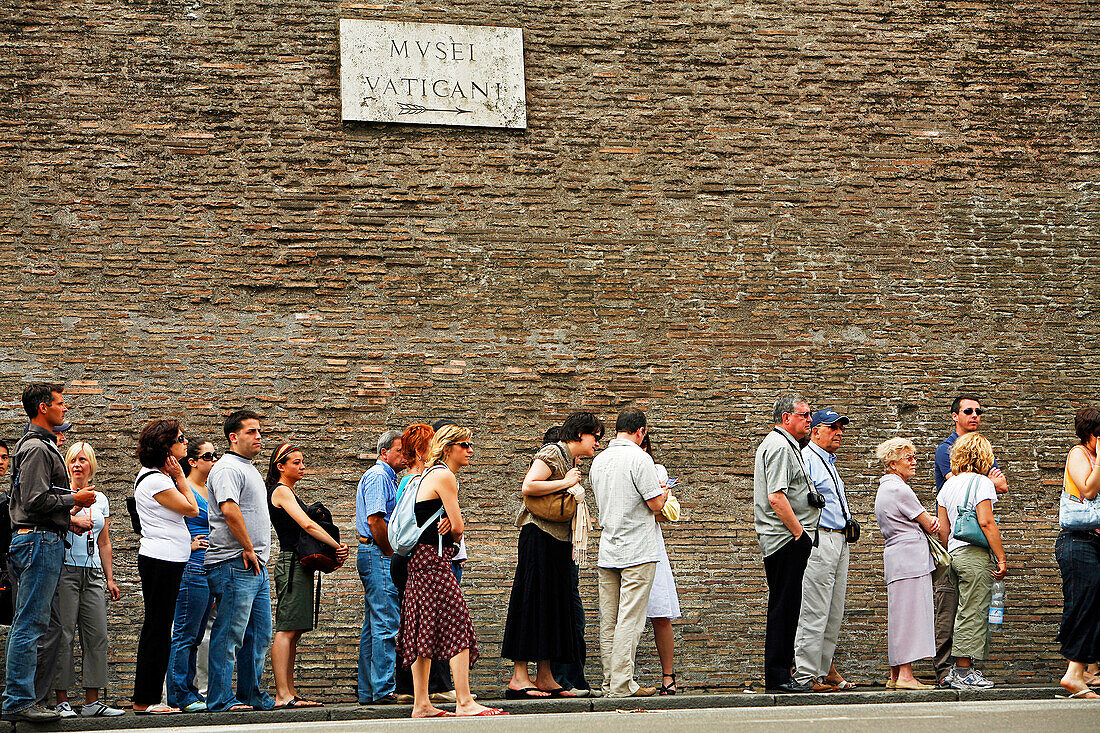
(826, 529)
(28, 530)
(366, 540)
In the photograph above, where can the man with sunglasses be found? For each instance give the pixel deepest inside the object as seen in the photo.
(783, 518)
(966, 412)
(825, 582)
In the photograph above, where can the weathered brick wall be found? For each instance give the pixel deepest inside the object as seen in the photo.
(875, 203)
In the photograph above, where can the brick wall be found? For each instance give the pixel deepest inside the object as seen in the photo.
(875, 203)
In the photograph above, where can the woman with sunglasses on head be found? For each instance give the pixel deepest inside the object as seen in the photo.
(435, 621)
(541, 625)
(194, 604)
(293, 583)
(87, 578)
(163, 499)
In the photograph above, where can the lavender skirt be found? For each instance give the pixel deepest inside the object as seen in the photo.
(911, 625)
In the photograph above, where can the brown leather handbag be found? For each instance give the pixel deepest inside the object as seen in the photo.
(559, 506)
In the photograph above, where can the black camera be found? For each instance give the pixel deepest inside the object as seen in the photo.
(815, 499)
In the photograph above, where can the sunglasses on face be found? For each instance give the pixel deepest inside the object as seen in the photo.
(803, 415)
(181, 439)
(972, 411)
(208, 456)
(465, 444)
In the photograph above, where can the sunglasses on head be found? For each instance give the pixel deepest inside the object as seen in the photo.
(972, 411)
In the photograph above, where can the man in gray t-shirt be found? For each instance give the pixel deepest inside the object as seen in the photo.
(629, 495)
(236, 568)
(784, 519)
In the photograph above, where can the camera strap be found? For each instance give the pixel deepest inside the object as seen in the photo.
(798, 455)
(836, 485)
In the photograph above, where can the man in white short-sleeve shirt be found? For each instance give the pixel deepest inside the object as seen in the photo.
(629, 496)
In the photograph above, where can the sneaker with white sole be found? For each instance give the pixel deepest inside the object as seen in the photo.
(65, 710)
(99, 709)
(978, 680)
(946, 681)
(970, 679)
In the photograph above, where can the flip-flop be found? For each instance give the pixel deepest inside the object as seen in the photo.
(524, 694)
(158, 709)
(1079, 694)
(240, 708)
(489, 711)
(558, 692)
(443, 714)
(843, 685)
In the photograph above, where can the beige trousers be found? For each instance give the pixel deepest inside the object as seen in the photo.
(624, 595)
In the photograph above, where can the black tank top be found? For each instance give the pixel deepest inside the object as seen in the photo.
(286, 529)
(430, 535)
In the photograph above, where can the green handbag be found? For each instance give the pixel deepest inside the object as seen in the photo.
(966, 526)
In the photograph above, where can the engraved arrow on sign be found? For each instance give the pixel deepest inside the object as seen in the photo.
(416, 109)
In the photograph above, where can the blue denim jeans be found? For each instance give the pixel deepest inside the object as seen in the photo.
(241, 634)
(381, 619)
(188, 628)
(35, 560)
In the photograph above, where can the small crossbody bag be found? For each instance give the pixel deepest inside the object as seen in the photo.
(966, 526)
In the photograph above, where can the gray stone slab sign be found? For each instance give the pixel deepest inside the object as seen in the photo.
(432, 74)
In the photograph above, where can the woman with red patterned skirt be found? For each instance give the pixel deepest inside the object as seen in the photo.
(435, 621)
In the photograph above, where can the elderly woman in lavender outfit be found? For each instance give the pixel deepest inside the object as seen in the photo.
(907, 562)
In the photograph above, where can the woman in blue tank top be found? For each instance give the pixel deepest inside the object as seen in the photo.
(194, 603)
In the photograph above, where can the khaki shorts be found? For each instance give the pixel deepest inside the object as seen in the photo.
(293, 594)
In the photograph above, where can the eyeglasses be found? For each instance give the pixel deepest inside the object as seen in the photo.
(972, 411)
(208, 456)
(910, 458)
(181, 439)
(466, 444)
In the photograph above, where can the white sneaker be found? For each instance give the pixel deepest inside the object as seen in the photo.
(978, 680)
(65, 710)
(99, 709)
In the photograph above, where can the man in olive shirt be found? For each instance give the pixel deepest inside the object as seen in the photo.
(783, 518)
(40, 506)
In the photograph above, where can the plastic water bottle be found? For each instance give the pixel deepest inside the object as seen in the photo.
(997, 607)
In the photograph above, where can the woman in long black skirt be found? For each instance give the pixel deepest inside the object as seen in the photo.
(541, 623)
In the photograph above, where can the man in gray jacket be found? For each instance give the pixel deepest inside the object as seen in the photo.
(40, 506)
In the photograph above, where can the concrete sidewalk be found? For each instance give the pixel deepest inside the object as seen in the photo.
(597, 704)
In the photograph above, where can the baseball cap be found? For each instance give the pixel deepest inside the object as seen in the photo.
(828, 417)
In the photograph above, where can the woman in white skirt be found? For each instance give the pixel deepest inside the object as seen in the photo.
(907, 563)
(664, 604)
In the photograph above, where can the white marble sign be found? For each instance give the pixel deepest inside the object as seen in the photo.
(432, 74)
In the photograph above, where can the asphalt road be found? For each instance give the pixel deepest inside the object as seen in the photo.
(1025, 716)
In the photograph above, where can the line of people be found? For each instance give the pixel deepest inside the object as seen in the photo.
(939, 565)
(205, 525)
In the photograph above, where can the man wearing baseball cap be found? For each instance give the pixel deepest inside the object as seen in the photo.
(826, 578)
